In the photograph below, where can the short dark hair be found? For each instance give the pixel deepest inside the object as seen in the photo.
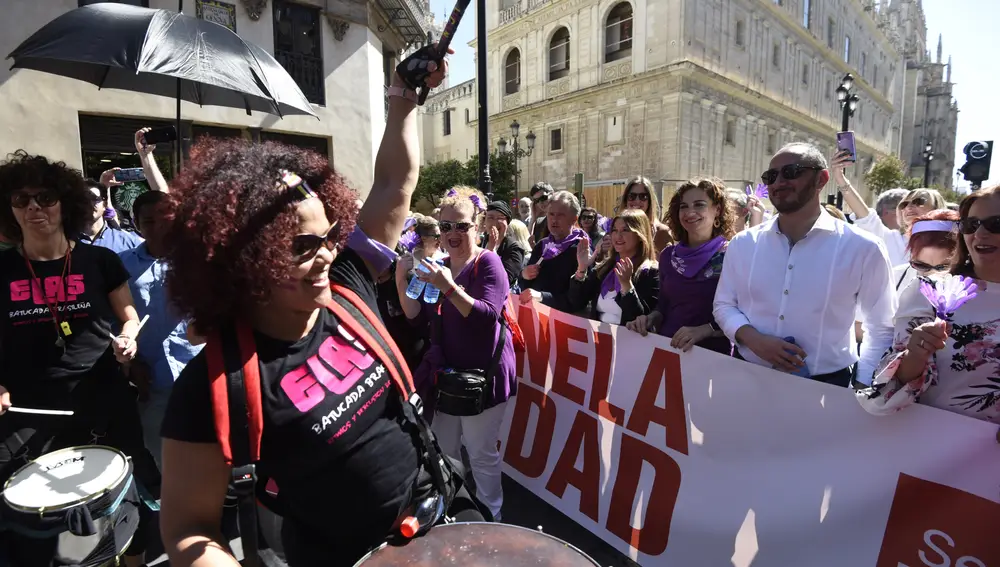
(94, 184)
(145, 199)
(22, 170)
(539, 187)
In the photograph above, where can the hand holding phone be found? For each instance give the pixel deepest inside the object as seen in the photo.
(160, 135)
(845, 143)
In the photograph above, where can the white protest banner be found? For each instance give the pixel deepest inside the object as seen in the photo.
(697, 459)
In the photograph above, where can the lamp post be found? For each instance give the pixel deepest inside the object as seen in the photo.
(848, 101)
(928, 158)
(515, 142)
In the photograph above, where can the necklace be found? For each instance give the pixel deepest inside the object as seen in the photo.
(63, 328)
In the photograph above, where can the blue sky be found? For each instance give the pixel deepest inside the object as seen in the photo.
(967, 26)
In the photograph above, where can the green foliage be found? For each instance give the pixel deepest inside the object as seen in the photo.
(912, 183)
(436, 178)
(887, 173)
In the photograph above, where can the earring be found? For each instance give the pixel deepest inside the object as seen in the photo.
(717, 223)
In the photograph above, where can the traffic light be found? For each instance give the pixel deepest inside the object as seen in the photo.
(977, 164)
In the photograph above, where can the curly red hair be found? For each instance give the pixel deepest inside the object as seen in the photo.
(231, 228)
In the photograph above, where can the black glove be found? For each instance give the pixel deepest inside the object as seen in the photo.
(415, 69)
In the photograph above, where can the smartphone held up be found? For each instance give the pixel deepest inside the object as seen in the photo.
(845, 143)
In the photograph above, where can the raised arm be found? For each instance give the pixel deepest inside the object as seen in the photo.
(398, 161)
(153, 175)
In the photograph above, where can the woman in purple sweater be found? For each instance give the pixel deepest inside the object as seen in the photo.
(702, 220)
(466, 327)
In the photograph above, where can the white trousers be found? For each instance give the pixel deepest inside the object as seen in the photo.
(480, 435)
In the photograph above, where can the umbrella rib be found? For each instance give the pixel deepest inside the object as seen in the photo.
(104, 78)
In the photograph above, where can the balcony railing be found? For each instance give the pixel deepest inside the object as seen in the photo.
(520, 8)
(307, 72)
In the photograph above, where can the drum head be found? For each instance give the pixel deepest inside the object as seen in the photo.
(480, 545)
(65, 478)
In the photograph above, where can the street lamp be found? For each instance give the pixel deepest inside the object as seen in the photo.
(928, 158)
(515, 131)
(848, 102)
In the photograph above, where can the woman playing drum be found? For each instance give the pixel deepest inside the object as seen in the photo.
(253, 247)
(56, 346)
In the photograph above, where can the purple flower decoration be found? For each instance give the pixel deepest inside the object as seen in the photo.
(477, 202)
(410, 240)
(749, 190)
(761, 191)
(947, 295)
(452, 192)
(605, 223)
(551, 250)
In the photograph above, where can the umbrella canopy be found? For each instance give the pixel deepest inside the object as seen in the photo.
(118, 46)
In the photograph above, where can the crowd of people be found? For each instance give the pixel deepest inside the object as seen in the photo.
(252, 247)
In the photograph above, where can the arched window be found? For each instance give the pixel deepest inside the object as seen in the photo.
(559, 54)
(618, 33)
(512, 72)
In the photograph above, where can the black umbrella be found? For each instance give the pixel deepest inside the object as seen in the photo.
(118, 46)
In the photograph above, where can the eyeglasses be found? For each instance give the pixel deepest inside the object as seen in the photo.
(434, 235)
(450, 226)
(45, 199)
(305, 246)
(925, 267)
(588, 217)
(916, 202)
(789, 172)
(541, 198)
(972, 224)
(638, 196)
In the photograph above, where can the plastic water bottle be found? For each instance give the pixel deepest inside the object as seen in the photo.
(804, 371)
(431, 294)
(426, 515)
(417, 285)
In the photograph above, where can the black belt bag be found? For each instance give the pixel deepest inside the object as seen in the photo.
(464, 392)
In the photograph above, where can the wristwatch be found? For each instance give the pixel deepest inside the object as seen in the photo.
(401, 93)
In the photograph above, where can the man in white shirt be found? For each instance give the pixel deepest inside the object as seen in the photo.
(802, 275)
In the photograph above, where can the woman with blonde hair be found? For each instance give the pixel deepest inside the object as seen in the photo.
(468, 331)
(625, 285)
(704, 223)
(639, 194)
(916, 203)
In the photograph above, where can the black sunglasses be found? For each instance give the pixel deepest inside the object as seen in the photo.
(925, 267)
(916, 202)
(972, 224)
(541, 198)
(789, 172)
(305, 246)
(588, 217)
(459, 226)
(431, 235)
(45, 199)
(638, 196)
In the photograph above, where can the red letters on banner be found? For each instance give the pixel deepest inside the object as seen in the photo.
(663, 372)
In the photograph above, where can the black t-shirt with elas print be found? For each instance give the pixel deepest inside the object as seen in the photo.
(334, 438)
(32, 366)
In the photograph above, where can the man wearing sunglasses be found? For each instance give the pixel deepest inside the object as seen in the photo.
(100, 233)
(791, 286)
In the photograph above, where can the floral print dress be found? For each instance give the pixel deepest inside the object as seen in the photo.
(963, 377)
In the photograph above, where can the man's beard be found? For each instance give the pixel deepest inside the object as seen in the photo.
(795, 204)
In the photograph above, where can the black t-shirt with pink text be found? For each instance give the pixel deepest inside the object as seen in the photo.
(32, 366)
(334, 440)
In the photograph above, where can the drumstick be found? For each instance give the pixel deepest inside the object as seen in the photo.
(141, 323)
(18, 409)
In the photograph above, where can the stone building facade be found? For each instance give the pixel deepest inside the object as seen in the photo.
(448, 124)
(340, 52)
(929, 112)
(672, 89)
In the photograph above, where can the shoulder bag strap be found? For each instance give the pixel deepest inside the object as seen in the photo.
(234, 374)
(352, 312)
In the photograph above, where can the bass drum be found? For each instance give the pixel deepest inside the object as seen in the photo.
(479, 544)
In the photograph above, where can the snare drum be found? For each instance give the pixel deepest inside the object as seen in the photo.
(84, 496)
(478, 544)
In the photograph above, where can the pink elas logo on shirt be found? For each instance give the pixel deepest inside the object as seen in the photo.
(307, 385)
(55, 290)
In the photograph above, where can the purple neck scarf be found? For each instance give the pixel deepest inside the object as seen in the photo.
(552, 248)
(689, 262)
(611, 280)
